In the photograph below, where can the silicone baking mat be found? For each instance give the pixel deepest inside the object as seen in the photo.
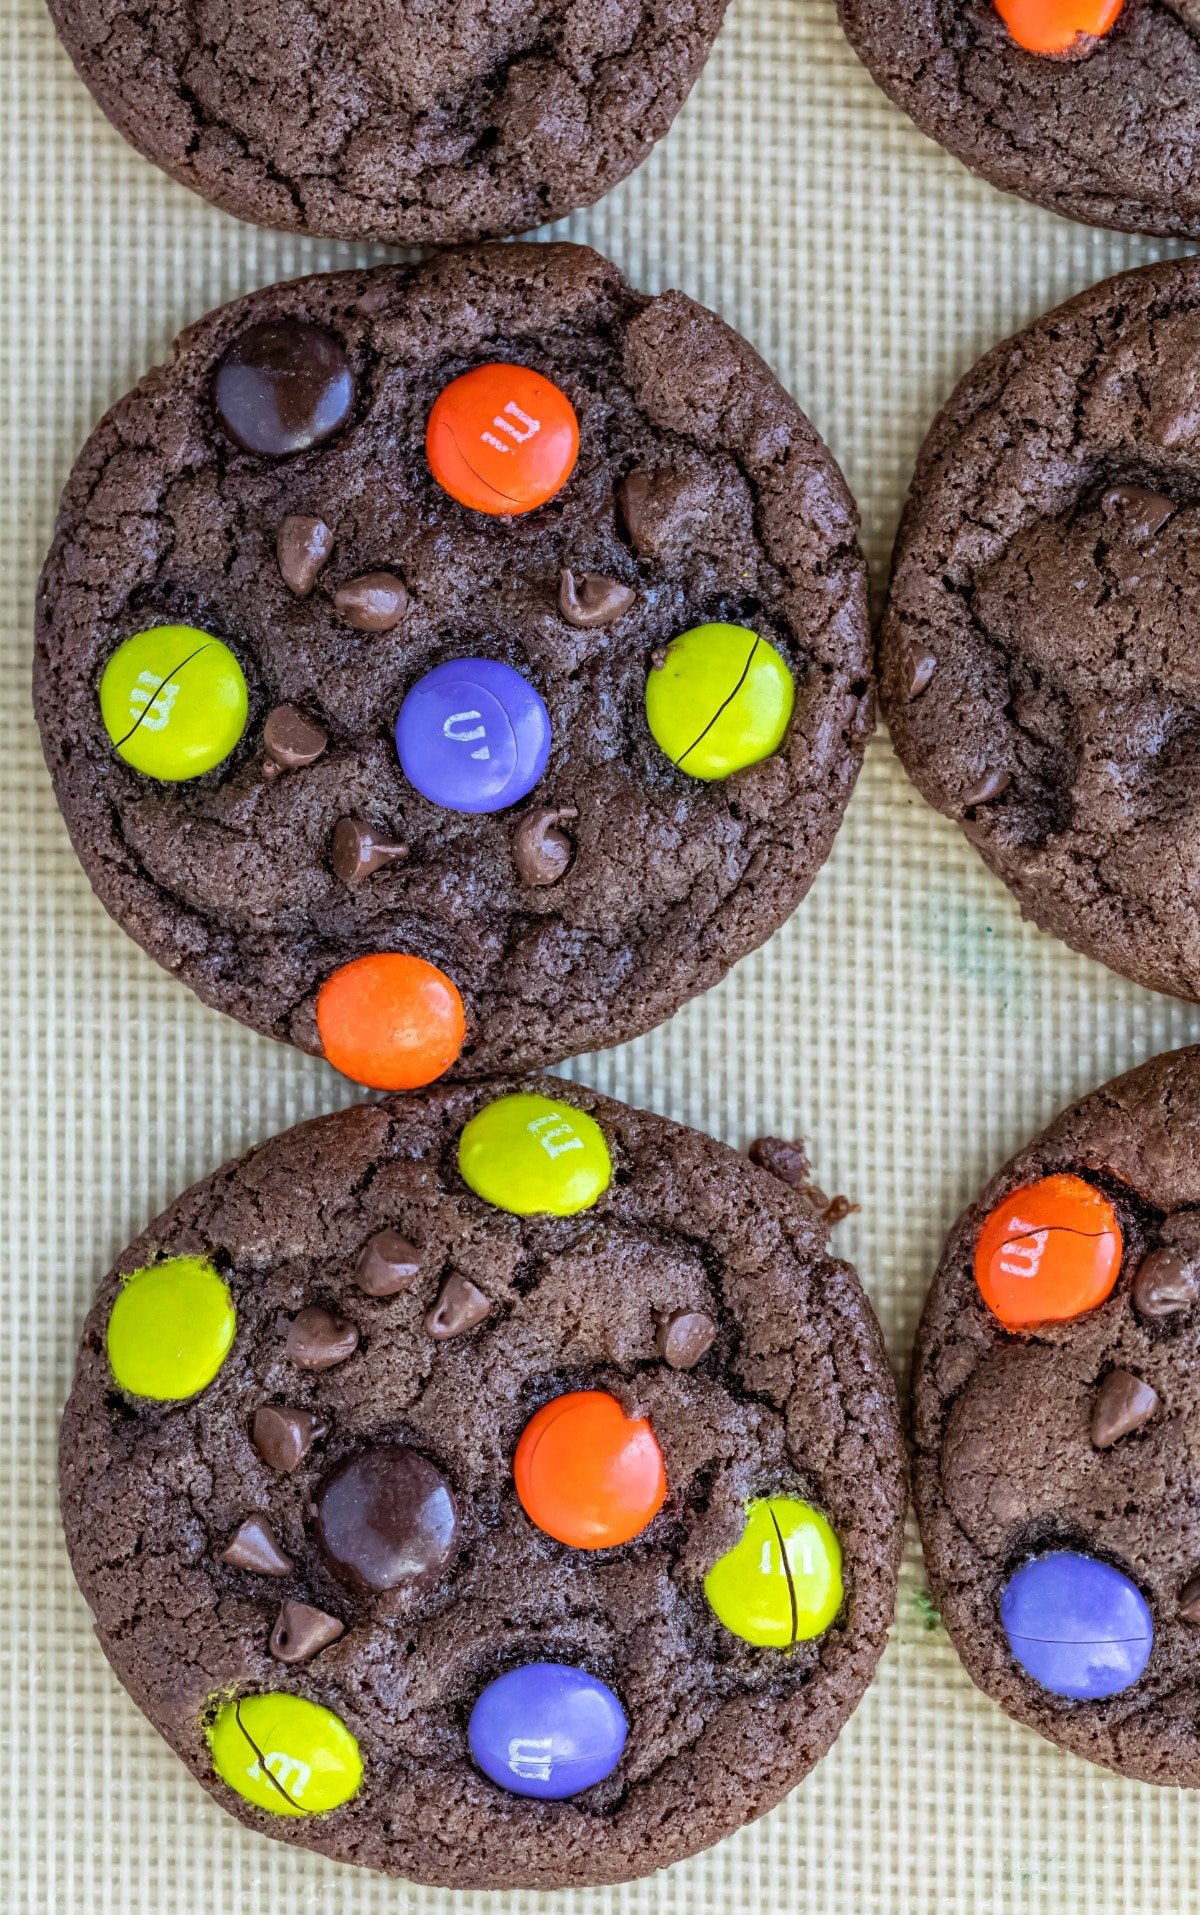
(905, 1020)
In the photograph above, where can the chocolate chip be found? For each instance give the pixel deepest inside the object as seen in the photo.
(387, 1264)
(1165, 1284)
(356, 849)
(302, 547)
(1140, 512)
(684, 1337)
(921, 665)
(386, 1519)
(460, 1305)
(301, 1632)
(788, 1162)
(1123, 1403)
(588, 599)
(291, 738)
(656, 509)
(283, 386)
(541, 852)
(373, 603)
(1189, 1601)
(991, 785)
(254, 1547)
(316, 1340)
(284, 1437)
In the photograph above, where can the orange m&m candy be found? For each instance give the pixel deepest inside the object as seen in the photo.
(502, 439)
(588, 1474)
(390, 1021)
(1049, 1252)
(1055, 26)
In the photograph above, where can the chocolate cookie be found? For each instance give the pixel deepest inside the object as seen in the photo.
(485, 621)
(1088, 107)
(1056, 1398)
(498, 1487)
(1037, 668)
(418, 121)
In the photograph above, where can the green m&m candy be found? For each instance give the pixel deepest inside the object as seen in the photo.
(782, 1583)
(173, 701)
(534, 1156)
(720, 700)
(285, 1754)
(170, 1329)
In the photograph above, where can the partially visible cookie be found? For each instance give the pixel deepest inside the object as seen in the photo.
(498, 1487)
(1056, 1403)
(1038, 666)
(423, 122)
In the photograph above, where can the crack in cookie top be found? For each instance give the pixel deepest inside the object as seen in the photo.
(496, 1486)
(1038, 662)
(1088, 107)
(455, 666)
(1056, 1392)
(407, 121)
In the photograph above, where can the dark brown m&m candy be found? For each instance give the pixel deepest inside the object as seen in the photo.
(387, 1519)
(282, 387)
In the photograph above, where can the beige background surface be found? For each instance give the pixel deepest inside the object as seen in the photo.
(905, 1019)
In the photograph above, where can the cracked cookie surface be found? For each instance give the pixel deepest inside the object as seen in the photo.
(1079, 1435)
(623, 886)
(1039, 668)
(787, 1392)
(425, 122)
(1109, 134)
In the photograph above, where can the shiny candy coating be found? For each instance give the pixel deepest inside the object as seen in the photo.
(1058, 27)
(782, 1583)
(548, 1730)
(473, 735)
(173, 700)
(1048, 1252)
(720, 700)
(282, 387)
(586, 1473)
(502, 439)
(1077, 1626)
(284, 1754)
(170, 1329)
(386, 1519)
(534, 1156)
(390, 1021)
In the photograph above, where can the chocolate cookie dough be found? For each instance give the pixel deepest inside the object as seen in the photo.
(558, 1541)
(1038, 662)
(1088, 107)
(1056, 1398)
(416, 121)
(485, 625)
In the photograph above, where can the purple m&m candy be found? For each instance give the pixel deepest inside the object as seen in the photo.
(1077, 1626)
(548, 1730)
(473, 735)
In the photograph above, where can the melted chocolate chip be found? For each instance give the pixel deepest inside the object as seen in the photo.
(787, 1161)
(654, 508)
(317, 1340)
(284, 1437)
(302, 547)
(254, 1547)
(588, 599)
(301, 1632)
(992, 785)
(542, 852)
(282, 387)
(1139, 511)
(386, 1519)
(921, 665)
(387, 1264)
(460, 1305)
(1123, 1403)
(373, 603)
(356, 849)
(291, 738)
(1189, 1601)
(1165, 1284)
(684, 1337)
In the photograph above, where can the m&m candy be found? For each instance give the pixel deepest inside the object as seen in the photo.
(1058, 26)
(473, 735)
(534, 1156)
(720, 701)
(1077, 1626)
(390, 1021)
(170, 1329)
(285, 1754)
(282, 387)
(173, 701)
(548, 1730)
(586, 1473)
(782, 1583)
(502, 439)
(1048, 1252)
